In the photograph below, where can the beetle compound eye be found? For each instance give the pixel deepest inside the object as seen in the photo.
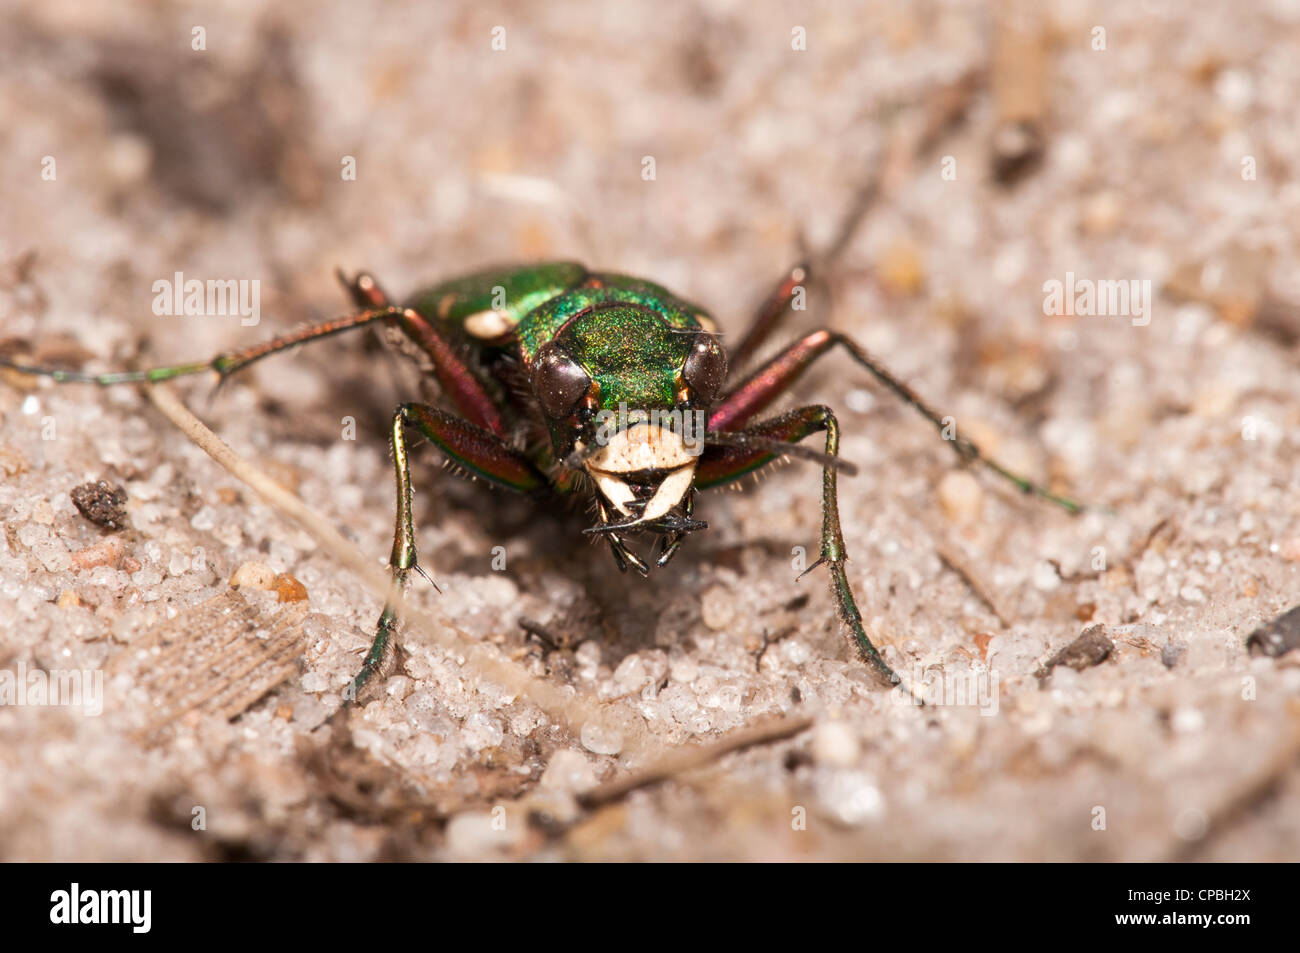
(558, 381)
(706, 367)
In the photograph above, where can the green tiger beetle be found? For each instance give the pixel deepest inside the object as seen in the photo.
(536, 362)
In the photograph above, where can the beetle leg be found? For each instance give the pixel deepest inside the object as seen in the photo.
(771, 380)
(478, 451)
(363, 289)
(615, 544)
(461, 385)
(769, 314)
(223, 364)
(777, 304)
(633, 559)
(722, 464)
(455, 376)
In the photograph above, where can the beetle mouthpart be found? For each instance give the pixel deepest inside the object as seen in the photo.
(669, 524)
(644, 472)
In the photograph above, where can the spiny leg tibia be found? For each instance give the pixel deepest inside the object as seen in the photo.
(722, 464)
(480, 452)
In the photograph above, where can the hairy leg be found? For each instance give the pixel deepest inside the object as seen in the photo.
(477, 450)
(723, 464)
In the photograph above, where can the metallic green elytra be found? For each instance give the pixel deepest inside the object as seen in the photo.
(559, 381)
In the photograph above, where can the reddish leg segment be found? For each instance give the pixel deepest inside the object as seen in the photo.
(769, 315)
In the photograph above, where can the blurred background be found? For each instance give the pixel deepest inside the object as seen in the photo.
(706, 147)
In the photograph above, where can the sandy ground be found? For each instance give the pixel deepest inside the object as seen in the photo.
(1169, 157)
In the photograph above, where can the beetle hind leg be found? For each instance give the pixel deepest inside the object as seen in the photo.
(363, 289)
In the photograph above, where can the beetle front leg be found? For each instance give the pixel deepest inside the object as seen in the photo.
(723, 464)
(480, 452)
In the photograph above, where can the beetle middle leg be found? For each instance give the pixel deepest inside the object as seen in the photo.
(479, 451)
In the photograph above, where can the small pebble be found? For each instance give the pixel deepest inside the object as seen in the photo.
(568, 771)
(717, 608)
(253, 575)
(901, 270)
(1046, 578)
(1235, 89)
(961, 497)
(127, 158)
(600, 739)
(852, 797)
(1172, 653)
(1091, 648)
(104, 553)
(102, 503)
(1103, 212)
(684, 669)
(1277, 637)
(1187, 720)
(12, 462)
(835, 744)
(289, 589)
(630, 675)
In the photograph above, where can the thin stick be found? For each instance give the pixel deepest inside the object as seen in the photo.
(687, 759)
(949, 557)
(1243, 801)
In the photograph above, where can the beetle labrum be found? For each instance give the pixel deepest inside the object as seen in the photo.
(560, 380)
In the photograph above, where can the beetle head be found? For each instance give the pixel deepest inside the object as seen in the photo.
(626, 394)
